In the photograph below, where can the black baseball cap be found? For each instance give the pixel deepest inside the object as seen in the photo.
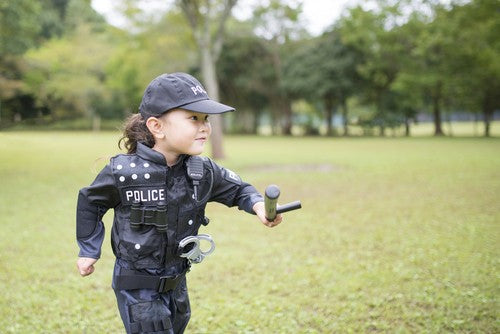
(178, 90)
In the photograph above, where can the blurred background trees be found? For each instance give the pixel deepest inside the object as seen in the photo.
(381, 67)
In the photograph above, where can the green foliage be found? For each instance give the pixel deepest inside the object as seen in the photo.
(162, 47)
(278, 20)
(325, 70)
(277, 23)
(381, 66)
(476, 31)
(79, 12)
(28, 91)
(249, 90)
(383, 46)
(395, 235)
(52, 19)
(18, 26)
(68, 73)
(18, 32)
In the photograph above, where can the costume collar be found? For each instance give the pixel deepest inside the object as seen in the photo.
(148, 153)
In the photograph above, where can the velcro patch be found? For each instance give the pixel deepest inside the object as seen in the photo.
(231, 176)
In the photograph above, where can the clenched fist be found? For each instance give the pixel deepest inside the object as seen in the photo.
(85, 265)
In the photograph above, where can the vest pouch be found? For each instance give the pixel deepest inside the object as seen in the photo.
(136, 216)
(141, 216)
(144, 248)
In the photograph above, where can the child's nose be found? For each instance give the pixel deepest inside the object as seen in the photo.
(204, 126)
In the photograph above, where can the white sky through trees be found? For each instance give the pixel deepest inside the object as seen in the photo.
(317, 15)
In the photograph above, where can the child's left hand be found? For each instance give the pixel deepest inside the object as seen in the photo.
(260, 211)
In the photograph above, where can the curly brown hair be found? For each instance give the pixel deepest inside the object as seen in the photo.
(134, 131)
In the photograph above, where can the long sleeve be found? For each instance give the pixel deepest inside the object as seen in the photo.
(93, 202)
(230, 190)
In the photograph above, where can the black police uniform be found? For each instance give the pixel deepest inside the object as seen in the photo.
(155, 207)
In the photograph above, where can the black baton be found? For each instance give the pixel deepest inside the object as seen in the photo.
(271, 203)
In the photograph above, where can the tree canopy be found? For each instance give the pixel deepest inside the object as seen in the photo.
(379, 67)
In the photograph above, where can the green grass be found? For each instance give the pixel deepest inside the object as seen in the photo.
(396, 235)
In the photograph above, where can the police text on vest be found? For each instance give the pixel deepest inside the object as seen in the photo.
(145, 195)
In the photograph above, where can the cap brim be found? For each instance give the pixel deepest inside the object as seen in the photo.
(207, 107)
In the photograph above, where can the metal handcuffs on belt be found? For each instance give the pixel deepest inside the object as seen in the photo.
(196, 255)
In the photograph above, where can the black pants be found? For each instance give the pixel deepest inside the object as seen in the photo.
(148, 311)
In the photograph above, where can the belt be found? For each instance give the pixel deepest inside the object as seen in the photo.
(132, 280)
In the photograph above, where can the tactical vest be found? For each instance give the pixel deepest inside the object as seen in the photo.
(159, 207)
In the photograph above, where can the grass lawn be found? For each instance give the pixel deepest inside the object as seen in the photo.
(396, 235)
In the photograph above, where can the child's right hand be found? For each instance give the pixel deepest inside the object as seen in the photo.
(85, 265)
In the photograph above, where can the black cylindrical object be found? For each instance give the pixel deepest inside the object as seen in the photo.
(270, 201)
(288, 207)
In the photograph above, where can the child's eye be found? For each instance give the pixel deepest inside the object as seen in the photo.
(195, 118)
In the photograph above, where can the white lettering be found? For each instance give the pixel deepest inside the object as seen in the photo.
(198, 89)
(232, 175)
(145, 195)
(128, 194)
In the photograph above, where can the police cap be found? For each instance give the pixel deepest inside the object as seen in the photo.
(178, 90)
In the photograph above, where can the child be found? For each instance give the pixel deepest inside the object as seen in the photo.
(159, 191)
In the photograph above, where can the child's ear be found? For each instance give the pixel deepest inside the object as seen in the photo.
(155, 126)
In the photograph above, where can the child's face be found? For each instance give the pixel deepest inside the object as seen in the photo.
(186, 132)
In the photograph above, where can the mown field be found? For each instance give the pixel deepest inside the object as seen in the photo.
(396, 235)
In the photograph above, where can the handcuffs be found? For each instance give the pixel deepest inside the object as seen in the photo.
(196, 255)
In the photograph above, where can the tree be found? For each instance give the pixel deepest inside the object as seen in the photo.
(405, 97)
(475, 66)
(52, 19)
(65, 79)
(324, 70)
(244, 73)
(278, 24)
(18, 25)
(26, 25)
(19, 33)
(432, 64)
(207, 20)
(157, 47)
(374, 36)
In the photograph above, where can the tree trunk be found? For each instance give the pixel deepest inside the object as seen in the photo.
(436, 111)
(344, 116)
(255, 126)
(208, 31)
(382, 131)
(487, 121)
(450, 124)
(380, 117)
(96, 123)
(329, 115)
(211, 84)
(407, 127)
(488, 108)
(287, 119)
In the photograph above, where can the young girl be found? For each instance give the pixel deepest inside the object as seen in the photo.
(159, 191)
